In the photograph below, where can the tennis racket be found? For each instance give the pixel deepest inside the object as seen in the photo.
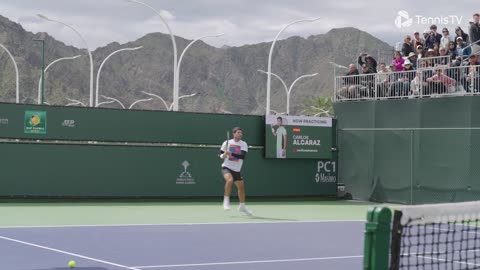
(226, 145)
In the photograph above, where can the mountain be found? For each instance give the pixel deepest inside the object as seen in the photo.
(225, 79)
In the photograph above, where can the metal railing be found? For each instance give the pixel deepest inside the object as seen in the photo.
(470, 46)
(429, 62)
(428, 82)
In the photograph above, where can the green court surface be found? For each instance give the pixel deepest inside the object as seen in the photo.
(108, 213)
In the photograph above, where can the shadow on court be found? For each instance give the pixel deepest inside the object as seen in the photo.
(77, 268)
(253, 217)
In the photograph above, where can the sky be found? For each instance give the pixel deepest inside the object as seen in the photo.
(241, 21)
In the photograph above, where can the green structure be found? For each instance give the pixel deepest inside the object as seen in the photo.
(85, 152)
(411, 151)
(377, 239)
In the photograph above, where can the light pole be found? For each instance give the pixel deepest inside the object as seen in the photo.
(159, 97)
(335, 66)
(169, 108)
(103, 63)
(40, 81)
(88, 50)
(76, 102)
(175, 69)
(269, 78)
(138, 101)
(181, 58)
(17, 92)
(40, 101)
(114, 100)
(105, 103)
(288, 90)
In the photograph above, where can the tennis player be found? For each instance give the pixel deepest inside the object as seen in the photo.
(232, 165)
(281, 134)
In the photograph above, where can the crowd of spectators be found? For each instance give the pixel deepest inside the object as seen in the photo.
(434, 63)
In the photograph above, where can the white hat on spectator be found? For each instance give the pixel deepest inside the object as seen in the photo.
(407, 62)
(430, 50)
(426, 31)
(411, 54)
(459, 38)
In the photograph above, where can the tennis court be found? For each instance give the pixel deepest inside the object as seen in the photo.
(98, 236)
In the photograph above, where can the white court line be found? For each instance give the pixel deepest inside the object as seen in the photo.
(67, 253)
(247, 262)
(179, 224)
(445, 260)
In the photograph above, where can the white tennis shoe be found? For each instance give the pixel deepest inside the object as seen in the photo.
(226, 207)
(244, 209)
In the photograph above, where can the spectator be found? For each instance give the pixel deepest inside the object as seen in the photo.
(452, 50)
(420, 52)
(433, 37)
(436, 50)
(462, 49)
(398, 61)
(407, 47)
(444, 61)
(441, 83)
(417, 40)
(369, 61)
(417, 84)
(445, 39)
(430, 53)
(350, 84)
(475, 33)
(367, 82)
(383, 80)
(473, 76)
(426, 33)
(402, 86)
(413, 58)
(460, 33)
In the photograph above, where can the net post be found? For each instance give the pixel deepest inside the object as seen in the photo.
(396, 241)
(377, 238)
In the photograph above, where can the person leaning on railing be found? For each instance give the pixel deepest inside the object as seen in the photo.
(383, 80)
(401, 88)
(350, 84)
(441, 83)
(367, 82)
(473, 76)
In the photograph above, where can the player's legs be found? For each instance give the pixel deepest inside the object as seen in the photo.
(228, 189)
(241, 197)
(241, 190)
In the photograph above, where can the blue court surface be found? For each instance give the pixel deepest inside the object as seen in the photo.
(237, 246)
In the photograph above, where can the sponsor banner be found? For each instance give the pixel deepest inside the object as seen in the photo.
(290, 137)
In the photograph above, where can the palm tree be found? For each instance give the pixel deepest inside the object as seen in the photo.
(320, 106)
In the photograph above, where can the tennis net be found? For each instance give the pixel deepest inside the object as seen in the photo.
(440, 236)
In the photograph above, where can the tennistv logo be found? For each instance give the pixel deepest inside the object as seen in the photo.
(405, 20)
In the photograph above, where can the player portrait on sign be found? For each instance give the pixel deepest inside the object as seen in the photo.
(281, 133)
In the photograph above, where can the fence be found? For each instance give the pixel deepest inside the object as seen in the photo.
(437, 81)
(429, 62)
(412, 165)
(81, 152)
(410, 151)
